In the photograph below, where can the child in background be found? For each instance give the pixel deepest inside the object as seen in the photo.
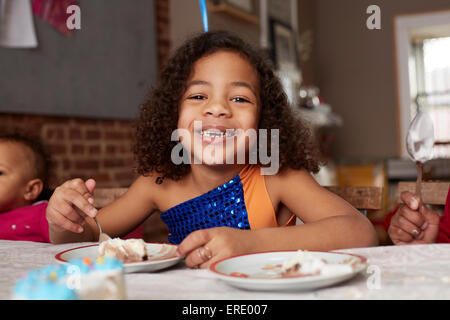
(216, 208)
(410, 224)
(23, 175)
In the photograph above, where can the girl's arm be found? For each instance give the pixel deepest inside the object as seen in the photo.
(70, 214)
(329, 223)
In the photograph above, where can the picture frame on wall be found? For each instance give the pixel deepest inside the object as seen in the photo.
(283, 45)
(247, 10)
(246, 5)
(282, 11)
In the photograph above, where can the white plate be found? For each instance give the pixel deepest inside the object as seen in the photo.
(259, 277)
(161, 256)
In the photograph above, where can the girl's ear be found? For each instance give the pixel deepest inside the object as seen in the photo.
(33, 189)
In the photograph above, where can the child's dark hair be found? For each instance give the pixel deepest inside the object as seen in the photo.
(41, 158)
(159, 113)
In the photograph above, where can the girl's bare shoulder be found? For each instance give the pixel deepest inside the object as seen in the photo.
(155, 182)
(145, 189)
(288, 180)
(303, 195)
(287, 177)
(159, 192)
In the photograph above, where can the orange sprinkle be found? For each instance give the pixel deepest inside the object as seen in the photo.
(238, 274)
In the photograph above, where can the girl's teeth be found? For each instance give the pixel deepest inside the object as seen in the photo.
(213, 134)
(218, 134)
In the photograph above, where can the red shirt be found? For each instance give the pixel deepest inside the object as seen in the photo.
(444, 227)
(30, 224)
(25, 223)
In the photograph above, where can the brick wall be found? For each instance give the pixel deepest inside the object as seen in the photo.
(90, 148)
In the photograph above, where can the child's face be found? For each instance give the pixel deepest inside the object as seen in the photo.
(15, 171)
(222, 93)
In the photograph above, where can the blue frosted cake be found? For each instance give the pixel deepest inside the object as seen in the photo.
(79, 279)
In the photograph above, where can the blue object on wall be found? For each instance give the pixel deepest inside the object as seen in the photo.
(204, 14)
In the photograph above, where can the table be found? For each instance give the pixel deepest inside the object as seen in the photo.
(394, 272)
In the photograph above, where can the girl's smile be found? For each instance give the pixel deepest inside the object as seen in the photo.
(220, 102)
(214, 133)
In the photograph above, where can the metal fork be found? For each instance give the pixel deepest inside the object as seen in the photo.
(102, 236)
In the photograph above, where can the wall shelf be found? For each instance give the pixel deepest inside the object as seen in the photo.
(226, 8)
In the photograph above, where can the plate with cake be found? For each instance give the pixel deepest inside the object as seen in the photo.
(288, 270)
(136, 255)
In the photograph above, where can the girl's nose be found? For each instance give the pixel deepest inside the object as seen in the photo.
(217, 108)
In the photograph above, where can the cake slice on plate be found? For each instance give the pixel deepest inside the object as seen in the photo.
(131, 250)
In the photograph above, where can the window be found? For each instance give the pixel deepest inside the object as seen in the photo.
(432, 78)
(423, 74)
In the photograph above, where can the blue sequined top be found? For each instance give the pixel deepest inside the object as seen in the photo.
(223, 206)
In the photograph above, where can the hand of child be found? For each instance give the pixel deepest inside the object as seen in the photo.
(203, 247)
(413, 226)
(69, 205)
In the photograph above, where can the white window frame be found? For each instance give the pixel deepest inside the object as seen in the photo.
(403, 28)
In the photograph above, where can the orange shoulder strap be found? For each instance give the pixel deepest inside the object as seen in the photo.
(260, 211)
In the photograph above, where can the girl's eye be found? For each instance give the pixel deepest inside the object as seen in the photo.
(197, 97)
(1, 173)
(239, 99)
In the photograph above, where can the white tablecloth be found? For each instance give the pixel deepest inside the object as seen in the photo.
(394, 272)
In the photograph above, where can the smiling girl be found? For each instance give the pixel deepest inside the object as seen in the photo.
(214, 205)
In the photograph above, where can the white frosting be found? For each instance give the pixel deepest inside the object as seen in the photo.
(335, 269)
(123, 249)
(108, 285)
(137, 246)
(304, 259)
(310, 264)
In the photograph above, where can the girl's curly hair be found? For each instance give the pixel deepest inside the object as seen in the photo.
(159, 113)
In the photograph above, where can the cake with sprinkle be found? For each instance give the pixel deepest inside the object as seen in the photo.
(79, 279)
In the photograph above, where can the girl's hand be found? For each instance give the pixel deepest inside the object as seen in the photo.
(69, 205)
(411, 225)
(203, 247)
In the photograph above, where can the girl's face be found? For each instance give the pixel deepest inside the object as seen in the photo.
(15, 171)
(219, 108)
